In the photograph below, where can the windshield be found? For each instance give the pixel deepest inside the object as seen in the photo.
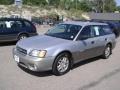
(64, 31)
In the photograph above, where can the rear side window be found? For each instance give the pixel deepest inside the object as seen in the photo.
(91, 31)
(16, 24)
(19, 24)
(96, 30)
(101, 30)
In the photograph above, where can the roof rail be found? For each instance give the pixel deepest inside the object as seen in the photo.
(98, 21)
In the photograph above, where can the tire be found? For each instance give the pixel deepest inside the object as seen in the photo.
(62, 64)
(107, 52)
(22, 36)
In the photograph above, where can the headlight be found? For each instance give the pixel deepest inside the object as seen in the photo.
(38, 53)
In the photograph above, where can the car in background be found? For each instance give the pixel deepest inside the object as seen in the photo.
(64, 45)
(115, 26)
(14, 29)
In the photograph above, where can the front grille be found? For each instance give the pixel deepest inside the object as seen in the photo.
(21, 50)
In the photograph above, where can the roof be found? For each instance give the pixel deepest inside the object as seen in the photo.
(84, 23)
(102, 16)
(12, 19)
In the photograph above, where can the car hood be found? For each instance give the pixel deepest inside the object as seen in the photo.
(41, 42)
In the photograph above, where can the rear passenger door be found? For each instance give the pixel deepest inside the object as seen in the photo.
(100, 39)
(102, 33)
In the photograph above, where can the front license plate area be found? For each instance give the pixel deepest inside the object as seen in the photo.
(17, 59)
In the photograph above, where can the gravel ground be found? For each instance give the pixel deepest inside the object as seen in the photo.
(93, 74)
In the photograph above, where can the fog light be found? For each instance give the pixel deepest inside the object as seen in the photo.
(33, 67)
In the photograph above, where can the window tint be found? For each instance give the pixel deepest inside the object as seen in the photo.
(64, 31)
(74, 29)
(106, 29)
(11, 24)
(85, 33)
(2, 24)
(6, 24)
(27, 24)
(18, 24)
(94, 31)
(14, 24)
(100, 30)
(97, 29)
(58, 29)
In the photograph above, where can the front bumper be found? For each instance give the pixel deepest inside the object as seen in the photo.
(33, 63)
(33, 34)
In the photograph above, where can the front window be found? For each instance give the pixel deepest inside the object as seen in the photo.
(64, 31)
(85, 33)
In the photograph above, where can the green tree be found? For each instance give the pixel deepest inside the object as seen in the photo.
(6, 2)
(103, 5)
(110, 5)
(35, 2)
(54, 3)
(83, 5)
(118, 8)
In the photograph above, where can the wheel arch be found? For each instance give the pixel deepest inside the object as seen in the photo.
(23, 33)
(65, 51)
(109, 43)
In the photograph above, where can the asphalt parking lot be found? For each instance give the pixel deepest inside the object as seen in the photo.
(92, 74)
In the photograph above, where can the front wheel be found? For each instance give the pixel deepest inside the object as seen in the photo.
(61, 64)
(107, 51)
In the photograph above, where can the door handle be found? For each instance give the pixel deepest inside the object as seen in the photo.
(92, 42)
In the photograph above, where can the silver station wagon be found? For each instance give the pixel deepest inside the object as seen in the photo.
(64, 45)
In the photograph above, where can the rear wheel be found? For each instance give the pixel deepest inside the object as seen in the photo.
(61, 64)
(22, 36)
(107, 51)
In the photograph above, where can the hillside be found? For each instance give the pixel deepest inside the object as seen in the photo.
(35, 11)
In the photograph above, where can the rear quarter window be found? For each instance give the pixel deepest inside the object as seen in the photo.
(27, 24)
(107, 29)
